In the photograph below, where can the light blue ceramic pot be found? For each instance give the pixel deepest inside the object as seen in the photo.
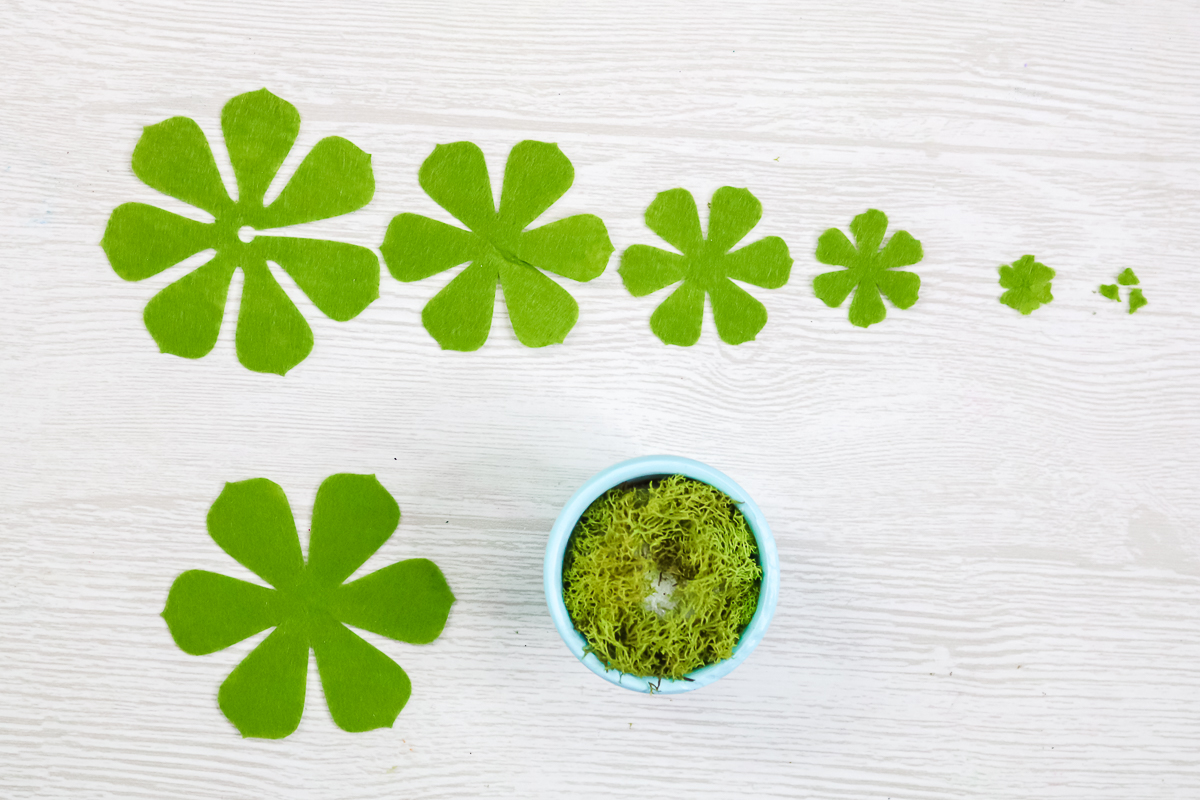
(637, 469)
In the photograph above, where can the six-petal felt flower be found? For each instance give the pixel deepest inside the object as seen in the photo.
(706, 266)
(352, 517)
(1028, 284)
(869, 268)
(141, 240)
(497, 245)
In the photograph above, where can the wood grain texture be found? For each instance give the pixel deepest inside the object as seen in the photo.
(988, 524)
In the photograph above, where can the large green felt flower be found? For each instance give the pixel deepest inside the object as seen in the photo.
(141, 240)
(309, 607)
(497, 245)
(706, 266)
(869, 268)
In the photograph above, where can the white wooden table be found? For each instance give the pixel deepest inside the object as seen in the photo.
(988, 523)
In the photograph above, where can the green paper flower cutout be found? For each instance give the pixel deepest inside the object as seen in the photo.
(309, 607)
(1112, 291)
(870, 269)
(1028, 284)
(141, 240)
(706, 266)
(497, 245)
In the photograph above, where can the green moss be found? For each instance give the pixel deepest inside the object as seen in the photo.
(638, 539)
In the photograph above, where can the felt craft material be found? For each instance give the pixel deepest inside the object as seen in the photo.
(1112, 291)
(706, 266)
(309, 606)
(674, 532)
(141, 240)
(1028, 284)
(497, 245)
(870, 269)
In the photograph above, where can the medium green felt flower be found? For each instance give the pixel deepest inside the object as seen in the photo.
(309, 607)
(870, 269)
(706, 266)
(141, 240)
(497, 245)
(1028, 284)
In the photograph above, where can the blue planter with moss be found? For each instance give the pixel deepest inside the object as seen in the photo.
(640, 472)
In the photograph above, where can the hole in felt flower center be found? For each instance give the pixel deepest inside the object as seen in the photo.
(246, 234)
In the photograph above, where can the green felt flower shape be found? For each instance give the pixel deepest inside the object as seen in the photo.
(497, 245)
(706, 266)
(141, 240)
(309, 607)
(1112, 291)
(870, 269)
(1028, 284)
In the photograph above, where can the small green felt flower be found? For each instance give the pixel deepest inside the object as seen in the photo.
(141, 240)
(309, 607)
(706, 266)
(497, 245)
(1127, 278)
(869, 268)
(1028, 284)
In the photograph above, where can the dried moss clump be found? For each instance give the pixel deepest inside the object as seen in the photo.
(635, 540)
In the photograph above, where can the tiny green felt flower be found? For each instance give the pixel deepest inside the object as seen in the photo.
(870, 269)
(309, 607)
(1112, 291)
(706, 266)
(1028, 284)
(141, 240)
(497, 245)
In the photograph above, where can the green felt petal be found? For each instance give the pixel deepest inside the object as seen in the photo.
(1136, 300)
(902, 250)
(1028, 284)
(341, 279)
(678, 320)
(459, 317)
(416, 247)
(764, 263)
(185, 317)
(867, 306)
(335, 178)
(364, 689)
(142, 240)
(174, 158)
(577, 247)
(537, 174)
(542, 312)
(260, 130)
(456, 177)
(674, 218)
(252, 521)
(732, 214)
(272, 335)
(645, 269)
(835, 249)
(408, 601)
(834, 287)
(868, 229)
(901, 288)
(207, 612)
(264, 695)
(1110, 291)
(352, 517)
(1127, 278)
(739, 316)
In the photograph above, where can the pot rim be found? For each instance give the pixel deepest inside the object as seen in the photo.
(644, 467)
